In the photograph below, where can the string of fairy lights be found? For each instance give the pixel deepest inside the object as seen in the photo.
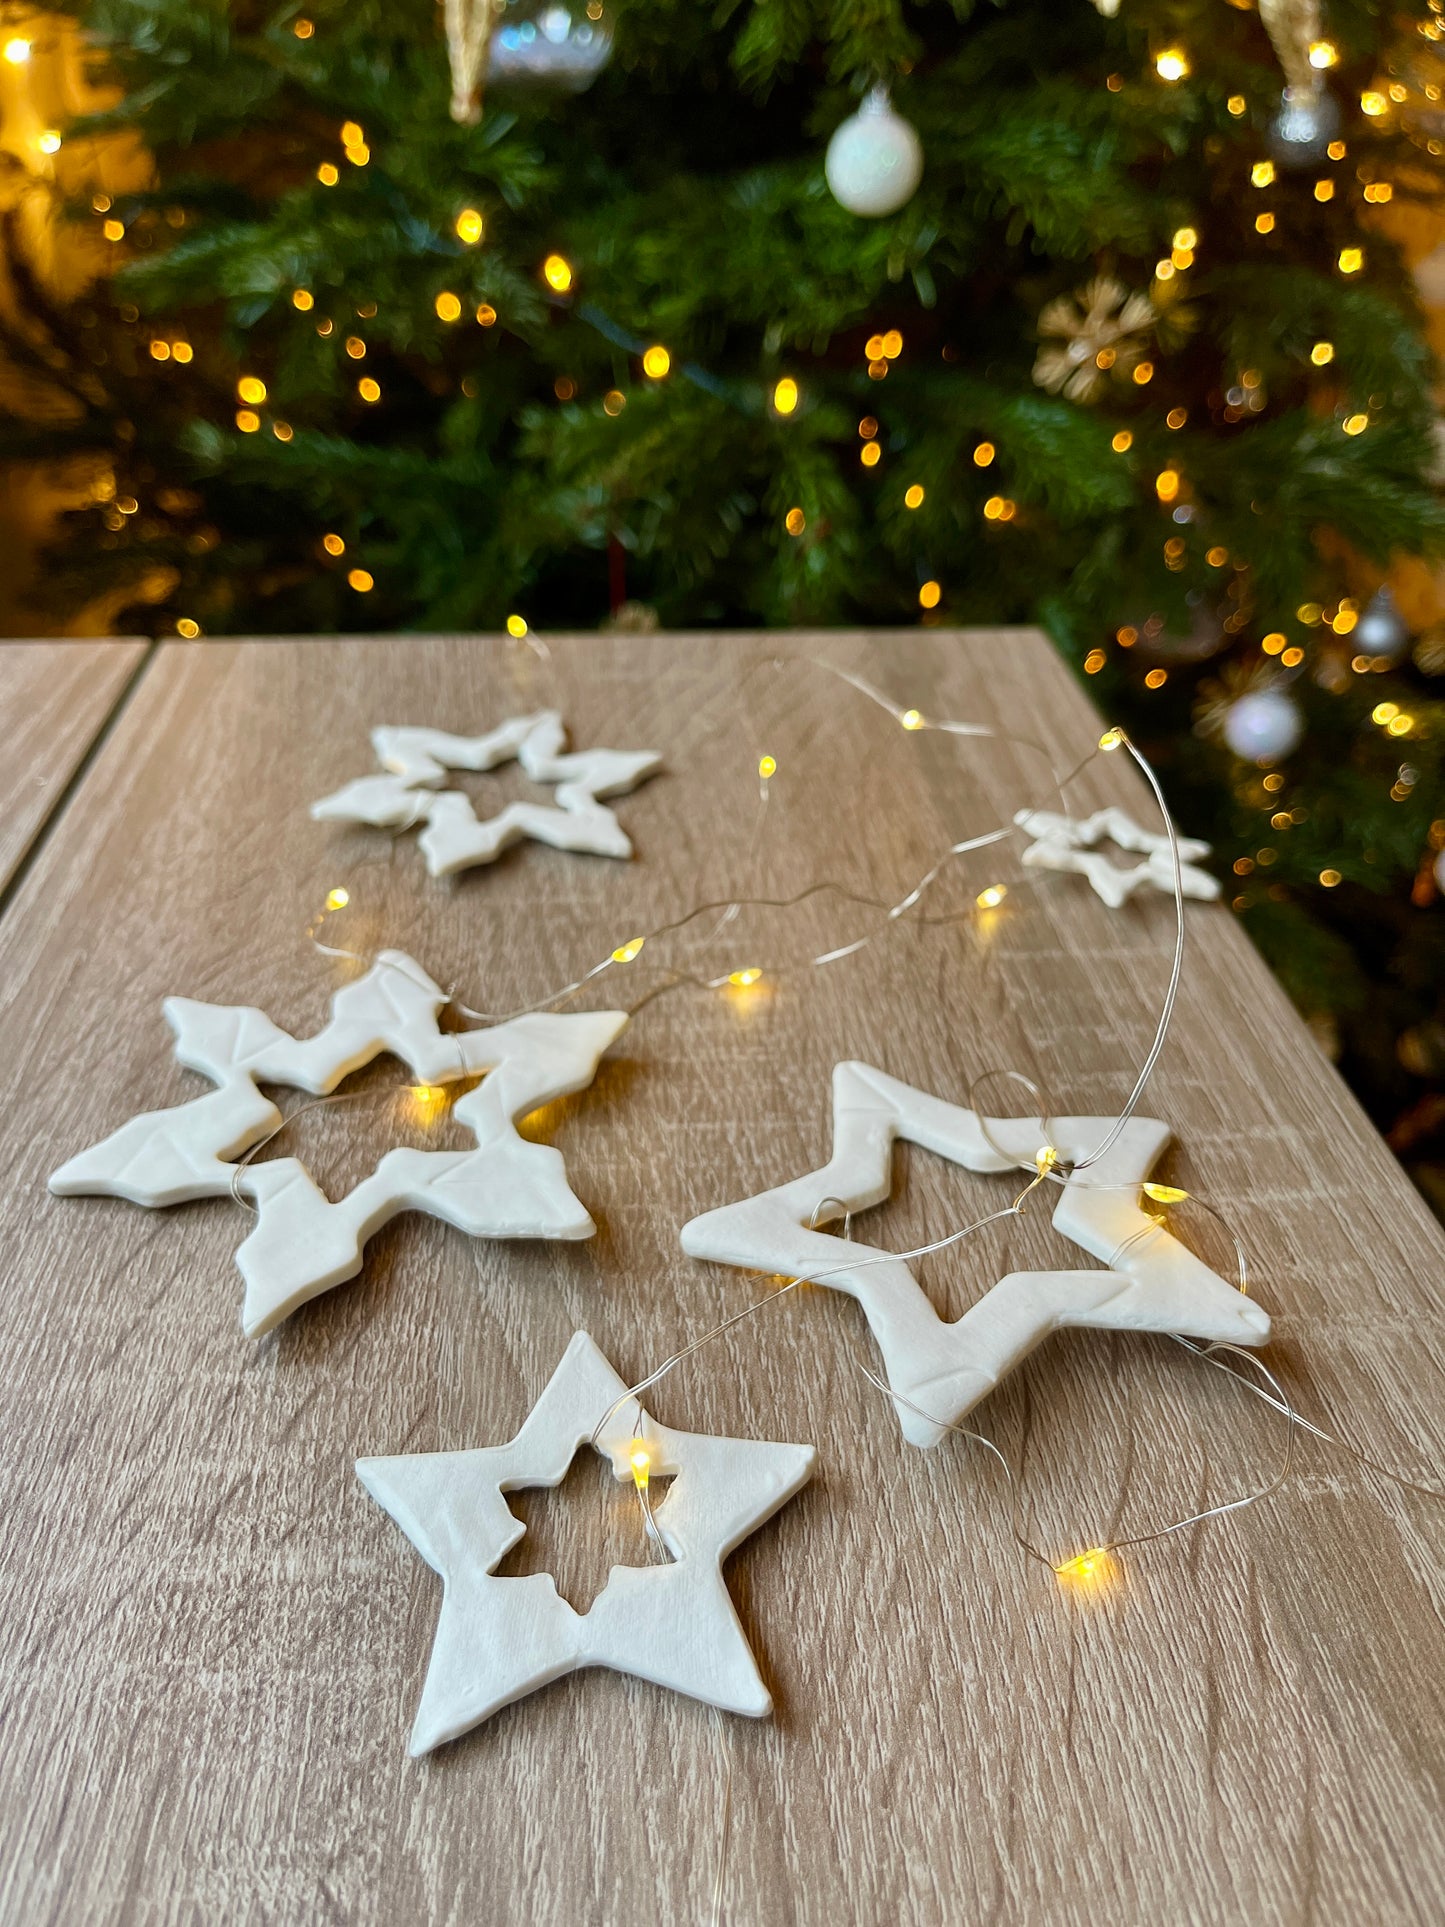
(785, 395)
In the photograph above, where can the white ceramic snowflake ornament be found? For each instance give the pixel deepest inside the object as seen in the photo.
(418, 761)
(499, 1639)
(1066, 843)
(1153, 1284)
(303, 1244)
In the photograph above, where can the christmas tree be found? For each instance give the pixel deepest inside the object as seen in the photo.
(570, 324)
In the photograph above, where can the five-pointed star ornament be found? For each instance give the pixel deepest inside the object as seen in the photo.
(499, 1639)
(1066, 843)
(303, 1244)
(417, 762)
(938, 1370)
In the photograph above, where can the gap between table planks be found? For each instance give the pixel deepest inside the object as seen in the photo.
(212, 1642)
(56, 698)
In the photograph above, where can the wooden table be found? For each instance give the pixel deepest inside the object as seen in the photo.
(212, 1641)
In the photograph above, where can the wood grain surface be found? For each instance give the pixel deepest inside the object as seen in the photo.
(212, 1641)
(55, 698)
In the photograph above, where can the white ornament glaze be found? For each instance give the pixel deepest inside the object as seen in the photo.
(302, 1243)
(1064, 843)
(500, 1639)
(418, 760)
(1265, 723)
(943, 1370)
(875, 159)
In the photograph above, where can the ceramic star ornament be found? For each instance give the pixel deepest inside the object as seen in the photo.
(1067, 843)
(418, 761)
(500, 1639)
(303, 1244)
(941, 1370)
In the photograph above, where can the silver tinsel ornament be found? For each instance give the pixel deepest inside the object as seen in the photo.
(548, 46)
(1381, 631)
(1307, 121)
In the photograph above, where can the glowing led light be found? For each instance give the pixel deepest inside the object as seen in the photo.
(1094, 662)
(361, 580)
(1185, 237)
(368, 389)
(356, 347)
(516, 627)
(247, 421)
(868, 426)
(1144, 373)
(1373, 104)
(333, 545)
(912, 719)
(992, 897)
(1292, 657)
(1172, 64)
(1400, 725)
(352, 133)
(470, 227)
(486, 315)
(1323, 53)
(625, 952)
(1322, 353)
(17, 51)
(557, 273)
(327, 174)
(930, 595)
(1164, 271)
(188, 628)
(1273, 643)
(795, 521)
(448, 307)
(1165, 1193)
(892, 345)
(1262, 173)
(785, 395)
(1156, 679)
(160, 351)
(613, 402)
(1176, 418)
(303, 29)
(358, 156)
(1384, 712)
(656, 362)
(1355, 424)
(1351, 260)
(1166, 484)
(1237, 105)
(114, 230)
(1085, 1566)
(870, 454)
(251, 388)
(337, 899)
(1329, 878)
(1325, 191)
(983, 454)
(745, 979)
(913, 497)
(1111, 739)
(49, 142)
(1122, 442)
(640, 1459)
(767, 766)
(1264, 224)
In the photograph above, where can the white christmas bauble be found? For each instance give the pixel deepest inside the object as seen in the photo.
(1302, 130)
(1265, 725)
(875, 159)
(1381, 629)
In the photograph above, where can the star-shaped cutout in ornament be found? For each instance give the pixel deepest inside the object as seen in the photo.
(674, 1624)
(302, 1243)
(939, 1370)
(417, 762)
(1067, 843)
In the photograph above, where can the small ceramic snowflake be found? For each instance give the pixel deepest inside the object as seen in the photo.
(417, 762)
(1066, 843)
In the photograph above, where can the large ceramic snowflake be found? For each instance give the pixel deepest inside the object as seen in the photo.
(303, 1244)
(1068, 843)
(418, 761)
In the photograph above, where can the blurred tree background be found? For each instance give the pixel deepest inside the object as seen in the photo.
(311, 320)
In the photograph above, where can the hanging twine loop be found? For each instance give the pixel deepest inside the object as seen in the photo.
(1293, 27)
(469, 38)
